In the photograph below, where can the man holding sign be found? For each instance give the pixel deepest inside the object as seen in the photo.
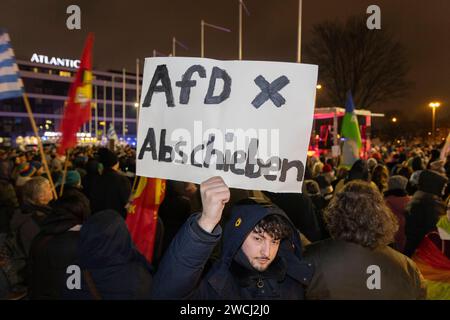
(244, 122)
(261, 256)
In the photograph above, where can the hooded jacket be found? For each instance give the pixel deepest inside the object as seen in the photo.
(52, 251)
(106, 250)
(181, 272)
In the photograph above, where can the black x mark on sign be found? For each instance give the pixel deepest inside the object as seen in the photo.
(270, 91)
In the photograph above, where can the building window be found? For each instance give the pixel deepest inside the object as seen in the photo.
(65, 74)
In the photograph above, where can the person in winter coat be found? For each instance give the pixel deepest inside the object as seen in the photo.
(313, 191)
(261, 256)
(357, 263)
(111, 266)
(397, 199)
(112, 189)
(27, 221)
(54, 249)
(425, 208)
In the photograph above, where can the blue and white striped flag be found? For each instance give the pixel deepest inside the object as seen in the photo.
(11, 85)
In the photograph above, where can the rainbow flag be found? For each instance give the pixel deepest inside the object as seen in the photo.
(435, 268)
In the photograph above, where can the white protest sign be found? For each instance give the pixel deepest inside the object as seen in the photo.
(246, 121)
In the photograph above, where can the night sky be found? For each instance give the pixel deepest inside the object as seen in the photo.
(126, 30)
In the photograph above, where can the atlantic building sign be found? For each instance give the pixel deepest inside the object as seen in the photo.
(55, 61)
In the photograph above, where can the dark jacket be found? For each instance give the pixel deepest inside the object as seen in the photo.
(107, 252)
(424, 210)
(423, 213)
(180, 274)
(27, 222)
(112, 191)
(342, 272)
(53, 250)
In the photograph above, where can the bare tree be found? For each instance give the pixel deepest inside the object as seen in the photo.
(370, 63)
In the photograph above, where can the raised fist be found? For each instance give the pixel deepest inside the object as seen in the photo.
(215, 194)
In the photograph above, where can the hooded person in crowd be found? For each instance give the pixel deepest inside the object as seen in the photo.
(112, 189)
(397, 199)
(425, 208)
(261, 256)
(361, 228)
(54, 249)
(111, 266)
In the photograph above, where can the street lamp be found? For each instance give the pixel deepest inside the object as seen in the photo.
(433, 106)
(319, 86)
(394, 119)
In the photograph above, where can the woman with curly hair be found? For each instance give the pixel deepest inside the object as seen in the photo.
(357, 263)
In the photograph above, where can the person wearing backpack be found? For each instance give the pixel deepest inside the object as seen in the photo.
(36, 196)
(54, 249)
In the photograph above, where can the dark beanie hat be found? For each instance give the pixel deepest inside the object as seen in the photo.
(107, 157)
(432, 182)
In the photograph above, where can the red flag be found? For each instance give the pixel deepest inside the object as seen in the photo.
(78, 108)
(142, 217)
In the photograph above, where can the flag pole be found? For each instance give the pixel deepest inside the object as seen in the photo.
(202, 24)
(90, 119)
(240, 30)
(104, 108)
(123, 103)
(137, 113)
(299, 40)
(41, 148)
(96, 113)
(63, 180)
(174, 40)
(112, 102)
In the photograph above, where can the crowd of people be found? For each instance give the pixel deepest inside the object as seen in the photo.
(379, 229)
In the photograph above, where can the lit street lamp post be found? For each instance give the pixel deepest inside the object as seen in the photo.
(433, 106)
